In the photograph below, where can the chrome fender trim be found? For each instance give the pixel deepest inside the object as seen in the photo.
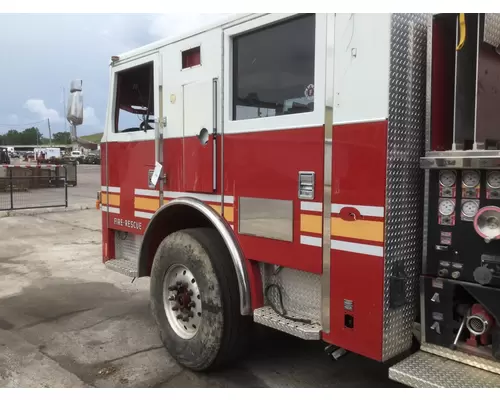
(229, 238)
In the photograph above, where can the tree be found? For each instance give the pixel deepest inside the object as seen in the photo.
(30, 136)
(61, 138)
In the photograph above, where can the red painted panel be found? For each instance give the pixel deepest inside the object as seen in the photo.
(266, 165)
(359, 178)
(359, 278)
(359, 163)
(198, 165)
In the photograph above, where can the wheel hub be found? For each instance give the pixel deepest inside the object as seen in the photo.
(182, 301)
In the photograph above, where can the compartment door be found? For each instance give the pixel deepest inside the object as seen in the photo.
(200, 155)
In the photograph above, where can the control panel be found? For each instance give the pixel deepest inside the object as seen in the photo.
(463, 220)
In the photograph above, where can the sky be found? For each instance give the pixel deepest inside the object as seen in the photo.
(43, 53)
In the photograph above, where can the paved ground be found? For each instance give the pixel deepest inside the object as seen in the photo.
(66, 321)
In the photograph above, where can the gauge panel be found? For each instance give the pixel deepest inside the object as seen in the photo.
(493, 179)
(447, 178)
(446, 207)
(469, 209)
(470, 178)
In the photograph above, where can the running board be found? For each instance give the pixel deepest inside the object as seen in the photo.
(268, 317)
(122, 266)
(425, 370)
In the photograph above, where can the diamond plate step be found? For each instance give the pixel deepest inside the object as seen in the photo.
(122, 266)
(268, 317)
(425, 370)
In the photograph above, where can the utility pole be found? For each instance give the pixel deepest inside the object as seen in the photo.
(50, 132)
(64, 109)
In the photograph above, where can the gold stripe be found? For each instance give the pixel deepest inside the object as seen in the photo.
(361, 229)
(228, 212)
(152, 204)
(311, 223)
(147, 203)
(114, 199)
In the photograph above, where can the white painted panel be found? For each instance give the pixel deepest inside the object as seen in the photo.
(198, 107)
(362, 46)
(175, 79)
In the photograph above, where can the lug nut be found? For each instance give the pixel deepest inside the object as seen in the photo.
(171, 288)
(185, 319)
(190, 314)
(190, 292)
(175, 308)
(179, 316)
(192, 304)
(171, 298)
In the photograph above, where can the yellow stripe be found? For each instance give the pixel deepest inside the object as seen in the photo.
(311, 223)
(228, 212)
(147, 203)
(114, 199)
(361, 229)
(152, 204)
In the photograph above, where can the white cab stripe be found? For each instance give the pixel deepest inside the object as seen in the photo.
(215, 198)
(310, 240)
(110, 189)
(142, 214)
(311, 206)
(366, 211)
(359, 248)
(113, 210)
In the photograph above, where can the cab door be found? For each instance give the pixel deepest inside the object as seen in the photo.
(130, 136)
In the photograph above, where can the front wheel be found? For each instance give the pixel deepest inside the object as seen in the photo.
(195, 300)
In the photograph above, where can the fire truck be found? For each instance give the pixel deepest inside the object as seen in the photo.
(332, 176)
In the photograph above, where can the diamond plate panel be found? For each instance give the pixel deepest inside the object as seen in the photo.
(492, 29)
(405, 146)
(473, 361)
(124, 267)
(267, 316)
(424, 370)
(301, 291)
(127, 245)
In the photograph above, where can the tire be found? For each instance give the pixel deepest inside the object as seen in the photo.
(222, 333)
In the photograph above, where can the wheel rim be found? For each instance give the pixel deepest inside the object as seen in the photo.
(182, 301)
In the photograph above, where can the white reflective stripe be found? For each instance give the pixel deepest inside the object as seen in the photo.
(214, 198)
(110, 189)
(146, 192)
(113, 210)
(366, 211)
(311, 206)
(310, 240)
(367, 249)
(232, 227)
(142, 214)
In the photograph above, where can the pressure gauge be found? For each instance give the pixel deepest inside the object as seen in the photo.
(470, 178)
(493, 179)
(447, 178)
(470, 208)
(446, 207)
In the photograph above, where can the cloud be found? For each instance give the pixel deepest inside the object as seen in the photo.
(90, 118)
(39, 108)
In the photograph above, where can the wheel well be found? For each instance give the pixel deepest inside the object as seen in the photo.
(184, 213)
(170, 220)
